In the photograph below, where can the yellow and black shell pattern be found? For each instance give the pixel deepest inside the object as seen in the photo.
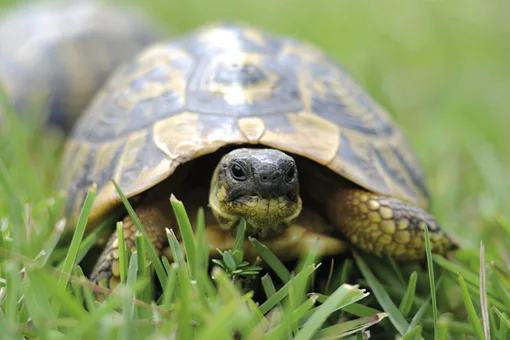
(226, 84)
(56, 55)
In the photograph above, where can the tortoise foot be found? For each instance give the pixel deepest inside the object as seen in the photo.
(387, 226)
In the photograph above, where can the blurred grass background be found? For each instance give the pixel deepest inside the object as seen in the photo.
(441, 69)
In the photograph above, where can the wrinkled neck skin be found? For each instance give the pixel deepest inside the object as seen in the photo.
(265, 216)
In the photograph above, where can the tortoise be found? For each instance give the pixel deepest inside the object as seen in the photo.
(253, 125)
(58, 54)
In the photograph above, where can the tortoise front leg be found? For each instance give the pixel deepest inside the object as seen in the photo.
(385, 225)
(155, 217)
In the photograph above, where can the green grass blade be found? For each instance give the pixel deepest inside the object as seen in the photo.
(128, 293)
(360, 310)
(503, 329)
(13, 286)
(385, 272)
(503, 276)
(95, 318)
(201, 243)
(239, 241)
(232, 313)
(187, 235)
(396, 270)
(88, 297)
(353, 295)
(37, 303)
(268, 286)
(183, 277)
(301, 310)
(499, 288)
(421, 311)
(290, 318)
(343, 277)
(123, 265)
(503, 317)
(132, 269)
(407, 300)
(153, 255)
(442, 327)
(382, 296)
(470, 308)
(418, 316)
(52, 242)
(5, 180)
(90, 240)
(493, 327)
(75, 286)
(313, 324)
(271, 259)
(483, 293)
(168, 291)
(413, 333)
(301, 286)
(207, 285)
(74, 247)
(219, 324)
(454, 327)
(349, 327)
(77, 237)
(282, 292)
(68, 302)
(432, 281)
(143, 268)
(455, 269)
(504, 323)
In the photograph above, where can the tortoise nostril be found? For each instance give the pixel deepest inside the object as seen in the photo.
(274, 178)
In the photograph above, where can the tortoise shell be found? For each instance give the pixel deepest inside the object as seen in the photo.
(224, 85)
(58, 55)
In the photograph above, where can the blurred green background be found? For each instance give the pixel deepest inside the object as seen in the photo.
(440, 67)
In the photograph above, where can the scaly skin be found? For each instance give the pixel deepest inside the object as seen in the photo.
(385, 225)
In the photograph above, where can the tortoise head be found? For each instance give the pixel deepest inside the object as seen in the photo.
(260, 185)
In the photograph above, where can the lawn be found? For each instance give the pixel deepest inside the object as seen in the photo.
(441, 69)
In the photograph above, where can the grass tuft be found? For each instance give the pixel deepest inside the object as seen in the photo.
(187, 235)
(382, 296)
(407, 300)
(470, 308)
(432, 281)
(160, 271)
(271, 259)
(122, 252)
(483, 294)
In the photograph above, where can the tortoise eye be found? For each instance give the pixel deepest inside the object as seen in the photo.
(289, 175)
(238, 172)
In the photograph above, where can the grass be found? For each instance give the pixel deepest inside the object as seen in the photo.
(441, 70)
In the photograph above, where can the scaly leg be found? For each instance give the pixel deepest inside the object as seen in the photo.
(384, 225)
(155, 216)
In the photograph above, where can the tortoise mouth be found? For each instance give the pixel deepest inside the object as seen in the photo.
(259, 200)
(290, 197)
(265, 216)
